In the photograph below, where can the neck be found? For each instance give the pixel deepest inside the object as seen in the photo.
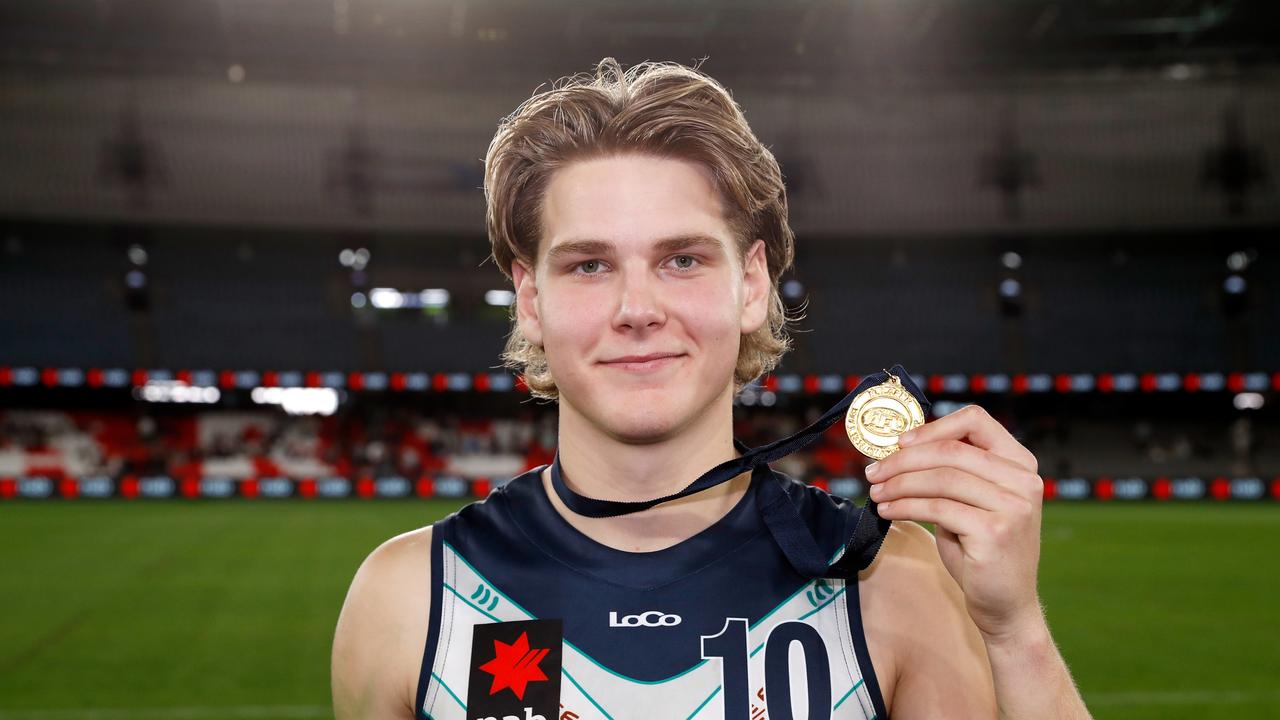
(600, 465)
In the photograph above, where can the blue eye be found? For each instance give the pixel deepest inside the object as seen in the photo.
(685, 262)
(589, 267)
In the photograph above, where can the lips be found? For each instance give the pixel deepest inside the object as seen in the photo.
(642, 358)
(652, 361)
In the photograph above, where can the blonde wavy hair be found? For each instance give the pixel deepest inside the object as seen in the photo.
(656, 108)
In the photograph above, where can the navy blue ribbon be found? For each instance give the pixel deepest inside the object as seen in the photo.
(776, 507)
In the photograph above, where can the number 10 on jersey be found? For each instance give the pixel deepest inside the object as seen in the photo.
(730, 647)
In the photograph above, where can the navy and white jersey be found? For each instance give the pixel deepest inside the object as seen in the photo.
(707, 628)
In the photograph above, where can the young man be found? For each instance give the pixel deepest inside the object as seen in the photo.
(645, 228)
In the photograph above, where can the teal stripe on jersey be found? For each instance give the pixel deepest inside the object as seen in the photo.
(846, 696)
(452, 694)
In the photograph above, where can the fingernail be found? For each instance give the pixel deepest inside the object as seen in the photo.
(907, 436)
(883, 506)
(872, 470)
(877, 491)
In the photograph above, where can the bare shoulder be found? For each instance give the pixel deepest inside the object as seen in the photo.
(382, 631)
(928, 655)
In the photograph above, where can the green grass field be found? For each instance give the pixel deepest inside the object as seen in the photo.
(166, 610)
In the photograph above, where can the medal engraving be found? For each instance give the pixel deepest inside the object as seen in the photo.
(879, 414)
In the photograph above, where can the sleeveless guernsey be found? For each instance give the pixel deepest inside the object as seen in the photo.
(700, 630)
(755, 618)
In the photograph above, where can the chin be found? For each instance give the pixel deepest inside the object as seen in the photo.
(641, 414)
(639, 424)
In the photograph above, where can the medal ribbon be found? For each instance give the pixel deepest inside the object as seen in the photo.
(776, 507)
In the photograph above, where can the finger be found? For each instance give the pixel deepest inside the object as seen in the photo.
(956, 517)
(950, 483)
(962, 456)
(975, 425)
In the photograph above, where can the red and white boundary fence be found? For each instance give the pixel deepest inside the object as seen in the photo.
(132, 487)
(781, 383)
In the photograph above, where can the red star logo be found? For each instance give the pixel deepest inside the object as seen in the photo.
(514, 666)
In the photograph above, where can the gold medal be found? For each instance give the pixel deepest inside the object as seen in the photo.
(879, 415)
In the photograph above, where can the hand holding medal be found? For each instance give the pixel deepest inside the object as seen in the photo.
(967, 475)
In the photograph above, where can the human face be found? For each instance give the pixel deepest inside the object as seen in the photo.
(640, 297)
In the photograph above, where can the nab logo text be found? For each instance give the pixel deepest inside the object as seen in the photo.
(652, 618)
(528, 715)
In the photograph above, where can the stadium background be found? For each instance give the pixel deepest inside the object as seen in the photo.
(247, 331)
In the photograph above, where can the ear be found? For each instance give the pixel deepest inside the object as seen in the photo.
(526, 303)
(756, 288)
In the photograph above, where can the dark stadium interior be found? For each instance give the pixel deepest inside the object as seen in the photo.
(276, 299)
(1016, 201)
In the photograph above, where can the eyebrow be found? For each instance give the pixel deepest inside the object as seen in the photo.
(676, 243)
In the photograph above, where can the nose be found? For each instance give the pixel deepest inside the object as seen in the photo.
(640, 304)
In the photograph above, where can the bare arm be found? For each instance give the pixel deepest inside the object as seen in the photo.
(928, 654)
(1032, 680)
(943, 665)
(968, 475)
(382, 631)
